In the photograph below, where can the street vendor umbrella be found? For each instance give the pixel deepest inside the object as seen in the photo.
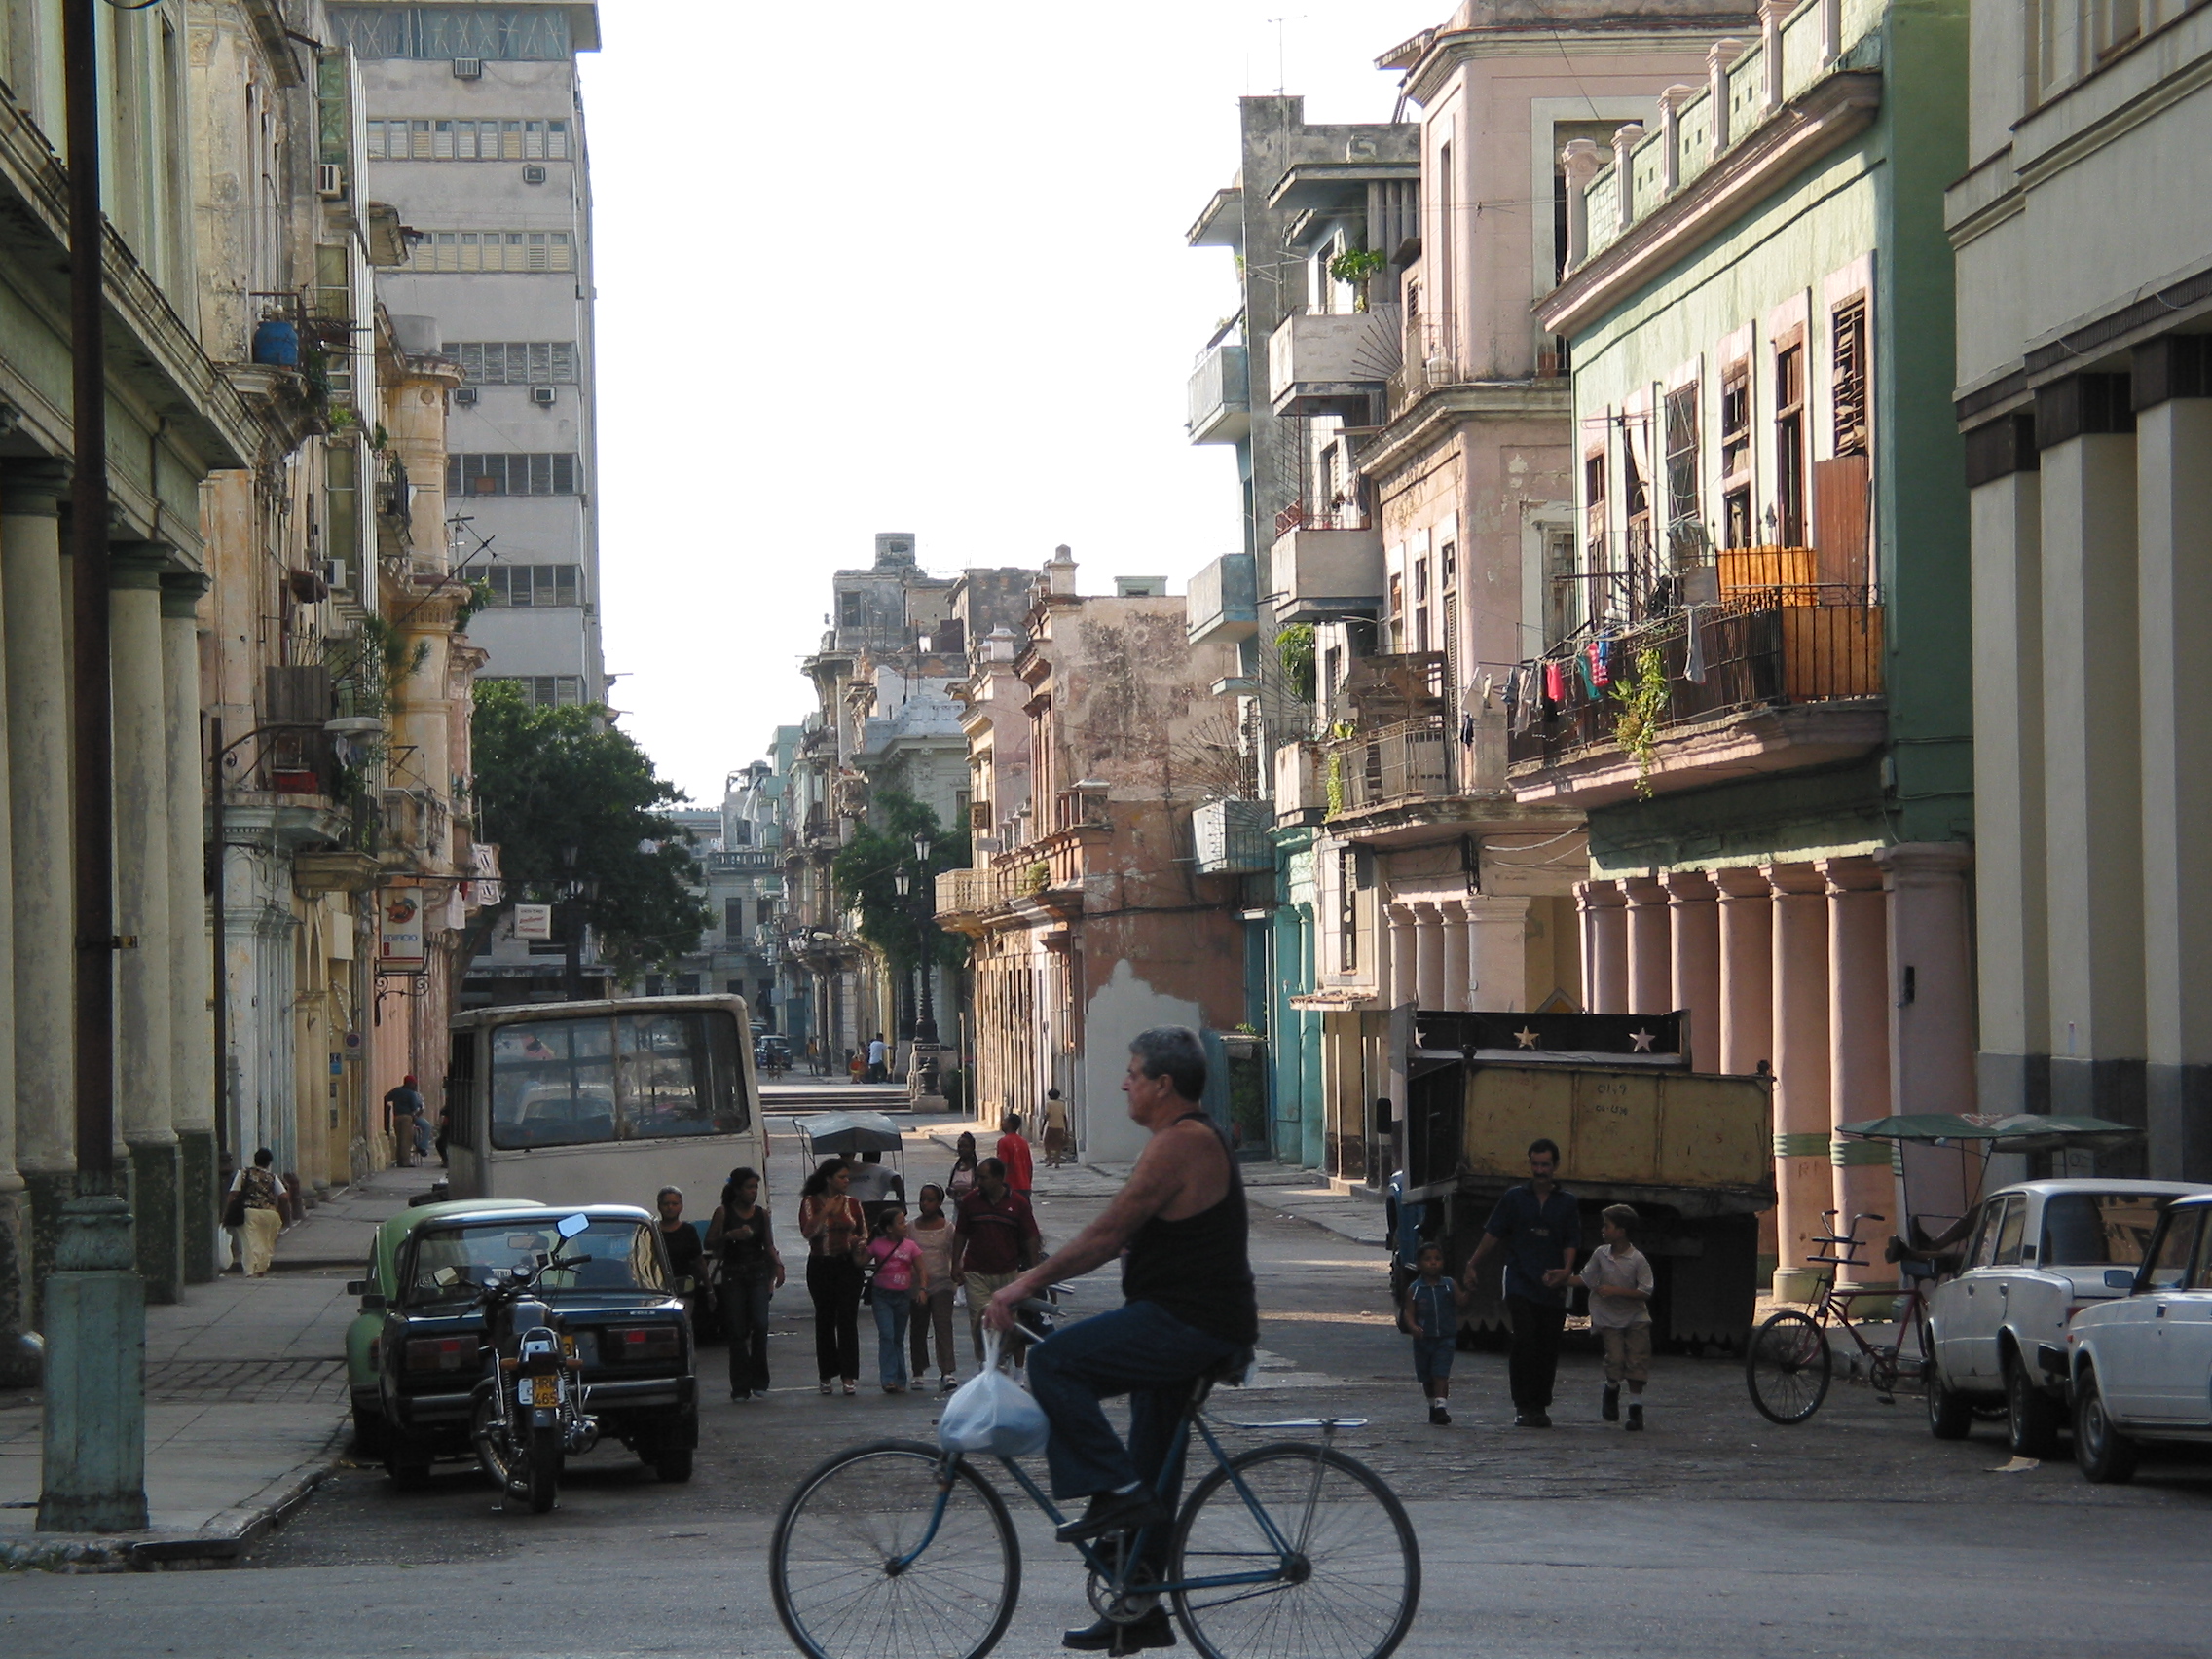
(2008, 1132)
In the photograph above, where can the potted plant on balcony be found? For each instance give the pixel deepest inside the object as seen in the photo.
(1359, 266)
(1643, 697)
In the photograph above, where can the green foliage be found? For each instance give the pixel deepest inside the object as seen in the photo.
(1357, 265)
(479, 596)
(550, 779)
(1294, 649)
(866, 871)
(1643, 711)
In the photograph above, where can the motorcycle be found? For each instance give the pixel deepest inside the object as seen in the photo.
(529, 1404)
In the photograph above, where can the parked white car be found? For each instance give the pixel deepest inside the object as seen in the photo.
(2141, 1364)
(2038, 1254)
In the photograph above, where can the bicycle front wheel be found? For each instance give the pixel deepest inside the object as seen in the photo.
(838, 1567)
(1788, 1367)
(1344, 1570)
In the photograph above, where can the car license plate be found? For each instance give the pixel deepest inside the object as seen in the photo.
(545, 1390)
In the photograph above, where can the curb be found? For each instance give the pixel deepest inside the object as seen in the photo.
(222, 1543)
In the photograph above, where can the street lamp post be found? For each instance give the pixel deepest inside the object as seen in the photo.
(573, 979)
(925, 1027)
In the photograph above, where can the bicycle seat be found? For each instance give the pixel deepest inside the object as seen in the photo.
(1231, 1371)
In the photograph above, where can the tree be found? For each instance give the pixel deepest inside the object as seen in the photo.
(552, 779)
(867, 872)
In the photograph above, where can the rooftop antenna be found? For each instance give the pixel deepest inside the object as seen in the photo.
(1282, 81)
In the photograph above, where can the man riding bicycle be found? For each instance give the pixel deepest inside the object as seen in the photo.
(1188, 1309)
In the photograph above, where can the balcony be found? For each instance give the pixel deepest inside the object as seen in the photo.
(1323, 566)
(1231, 837)
(1389, 766)
(1334, 363)
(1791, 677)
(1223, 600)
(1300, 794)
(1221, 398)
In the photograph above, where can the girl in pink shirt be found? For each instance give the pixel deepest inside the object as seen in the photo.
(900, 1276)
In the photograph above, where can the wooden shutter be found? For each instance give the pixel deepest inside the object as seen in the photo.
(1840, 519)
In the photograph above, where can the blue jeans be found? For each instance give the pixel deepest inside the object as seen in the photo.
(892, 1307)
(1141, 1350)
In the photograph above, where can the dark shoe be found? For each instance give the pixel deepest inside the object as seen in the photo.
(1532, 1420)
(1609, 1406)
(740, 1394)
(1113, 1512)
(1635, 1419)
(1438, 1415)
(1106, 1636)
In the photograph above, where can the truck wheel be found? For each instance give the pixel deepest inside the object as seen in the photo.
(674, 1467)
(2106, 1454)
(409, 1466)
(370, 1435)
(1950, 1414)
(2031, 1416)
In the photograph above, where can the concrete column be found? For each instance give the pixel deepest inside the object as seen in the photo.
(1650, 947)
(26, 507)
(1498, 952)
(192, 1037)
(2173, 469)
(1404, 958)
(2093, 781)
(1801, 1070)
(145, 1091)
(1859, 1043)
(1694, 922)
(1932, 1051)
(1603, 909)
(37, 696)
(1428, 942)
(2011, 877)
(1457, 986)
(1746, 971)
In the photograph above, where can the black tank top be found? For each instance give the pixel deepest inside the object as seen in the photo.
(1200, 1269)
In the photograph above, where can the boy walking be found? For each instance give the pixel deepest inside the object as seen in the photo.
(1430, 1315)
(1620, 1283)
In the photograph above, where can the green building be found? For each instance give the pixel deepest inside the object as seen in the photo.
(1757, 684)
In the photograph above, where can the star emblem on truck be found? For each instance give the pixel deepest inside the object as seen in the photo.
(1526, 1038)
(1643, 1041)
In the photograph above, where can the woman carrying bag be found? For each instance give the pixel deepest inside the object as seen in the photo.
(830, 1222)
(255, 1200)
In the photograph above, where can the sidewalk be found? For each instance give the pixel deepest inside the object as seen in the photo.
(245, 1401)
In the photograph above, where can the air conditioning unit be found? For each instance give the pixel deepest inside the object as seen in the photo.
(543, 396)
(329, 180)
(465, 396)
(469, 68)
(334, 575)
(533, 174)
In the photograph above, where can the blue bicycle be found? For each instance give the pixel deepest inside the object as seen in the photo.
(1288, 1550)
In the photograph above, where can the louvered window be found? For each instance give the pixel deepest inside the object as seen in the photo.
(1850, 379)
(516, 362)
(493, 250)
(510, 475)
(533, 586)
(439, 139)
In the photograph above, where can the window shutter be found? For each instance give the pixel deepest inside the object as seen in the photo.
(533, 140)
(565, 362)
(510, 140)
(557, 141)
(563, 474)
(441, 141)
(420, 133)
(541, 370)
(373, 149)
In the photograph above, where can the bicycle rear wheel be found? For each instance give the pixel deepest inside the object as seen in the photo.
(1351, 1584)
(1786, 1366)
(830, 1563)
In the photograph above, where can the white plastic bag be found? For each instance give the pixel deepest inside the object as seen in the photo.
(992, 1413)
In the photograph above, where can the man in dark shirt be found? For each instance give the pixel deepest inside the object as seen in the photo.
(994, 1237)
(1188, 1309)
(1540, 1227)
(405, 1104)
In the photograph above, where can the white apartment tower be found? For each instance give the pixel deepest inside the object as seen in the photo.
(475, 134)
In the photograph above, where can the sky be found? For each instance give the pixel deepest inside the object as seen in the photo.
(902, 267)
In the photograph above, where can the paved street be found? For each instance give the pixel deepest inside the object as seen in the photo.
(1713, 1532)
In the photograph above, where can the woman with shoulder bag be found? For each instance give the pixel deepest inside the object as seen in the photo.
(255, 1196)
(830, 1222)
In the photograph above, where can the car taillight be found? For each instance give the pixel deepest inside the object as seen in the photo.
(647, 1341)
(441, 1353)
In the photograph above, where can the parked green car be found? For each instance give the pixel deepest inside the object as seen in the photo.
(378, 1292)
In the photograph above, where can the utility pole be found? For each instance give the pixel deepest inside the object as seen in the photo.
(94, 1450)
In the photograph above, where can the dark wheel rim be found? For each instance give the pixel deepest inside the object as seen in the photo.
(1353, 1581)
(860, 1512)
(1788, 1367)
